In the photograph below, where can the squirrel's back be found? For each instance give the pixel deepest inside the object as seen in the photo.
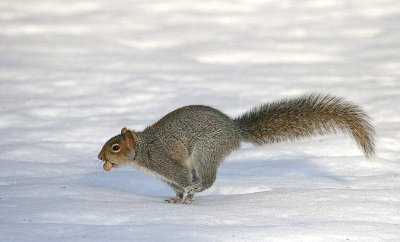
(197, 128)
(193, 120)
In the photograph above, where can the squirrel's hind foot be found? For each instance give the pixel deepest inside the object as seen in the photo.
(188, 201)
(178, 199)
(189, 198)
(174, 200)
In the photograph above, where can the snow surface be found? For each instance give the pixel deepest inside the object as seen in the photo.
(73, 73)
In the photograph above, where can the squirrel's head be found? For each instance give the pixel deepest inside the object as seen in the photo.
(120, 149)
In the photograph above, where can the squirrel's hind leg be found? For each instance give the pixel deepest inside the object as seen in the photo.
(179, 194)
(197, 186)
(189, 197)
(203, 177)
(202, 185)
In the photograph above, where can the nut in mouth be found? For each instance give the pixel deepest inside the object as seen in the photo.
(107, 164)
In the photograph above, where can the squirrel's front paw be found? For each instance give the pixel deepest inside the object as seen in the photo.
(174, 200)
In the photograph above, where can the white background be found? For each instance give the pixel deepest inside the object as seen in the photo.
(73, 73)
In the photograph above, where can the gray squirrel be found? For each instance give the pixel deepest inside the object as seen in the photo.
(186, 147)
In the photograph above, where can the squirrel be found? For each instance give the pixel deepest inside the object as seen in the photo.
(186, 147)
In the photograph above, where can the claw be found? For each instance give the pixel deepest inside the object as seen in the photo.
(174, 200)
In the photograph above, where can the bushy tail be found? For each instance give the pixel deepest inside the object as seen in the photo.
(305, 116)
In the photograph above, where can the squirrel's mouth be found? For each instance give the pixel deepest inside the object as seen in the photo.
(108, 165)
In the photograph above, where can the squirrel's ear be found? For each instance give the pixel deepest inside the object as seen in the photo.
(130, 138)
(123, 130)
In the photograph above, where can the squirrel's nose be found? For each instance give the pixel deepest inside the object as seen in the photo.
(101, 156)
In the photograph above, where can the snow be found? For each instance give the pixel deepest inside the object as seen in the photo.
(73, 73)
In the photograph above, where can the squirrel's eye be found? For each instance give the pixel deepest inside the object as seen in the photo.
(115, 147)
